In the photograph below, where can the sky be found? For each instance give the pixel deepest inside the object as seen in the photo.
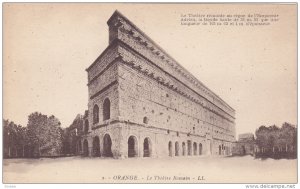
(47, 47)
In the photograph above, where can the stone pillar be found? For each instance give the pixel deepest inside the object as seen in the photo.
(123, 144)
(140, 146)
(208, 147)
(192, 148)
(90, 151)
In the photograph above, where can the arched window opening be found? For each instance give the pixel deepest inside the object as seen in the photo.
(145, 120)
(106, 109)
(96, 114)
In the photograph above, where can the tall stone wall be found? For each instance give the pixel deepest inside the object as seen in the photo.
(157, 108)
(126, 32)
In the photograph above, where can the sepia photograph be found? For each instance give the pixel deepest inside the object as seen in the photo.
(149, 93)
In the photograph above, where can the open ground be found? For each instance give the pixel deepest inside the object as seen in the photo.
(150, 170)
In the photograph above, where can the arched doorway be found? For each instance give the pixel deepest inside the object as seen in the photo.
(195, 148)
(170, 149)
(132, 146)
(107, 146)
(200, 149)
(85, 148)
(96, 147)
(147, 147)
(183, 149)
(220, 149)
(189, 143)
(223, 149)
(176, 149)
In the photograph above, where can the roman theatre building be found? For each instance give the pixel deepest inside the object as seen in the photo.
(142, 103)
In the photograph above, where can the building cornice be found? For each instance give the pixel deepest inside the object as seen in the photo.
(110, 46)
(123, 24)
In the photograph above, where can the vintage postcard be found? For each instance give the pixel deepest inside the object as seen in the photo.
(150, 93)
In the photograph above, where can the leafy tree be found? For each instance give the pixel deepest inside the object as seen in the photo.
(14, 139)
(44, 134)
(261, 137)
(277, 142)
(36, 125)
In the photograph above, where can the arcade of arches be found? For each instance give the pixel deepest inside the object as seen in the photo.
(107, 150)
(186, 148)
(192, 149)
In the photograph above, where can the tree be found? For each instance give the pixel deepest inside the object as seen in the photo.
(277, 142)
(44, 134)
(7, 142)
(14, 139)
(36, 125)
(261, 137)
(289, 136)
(54, 136)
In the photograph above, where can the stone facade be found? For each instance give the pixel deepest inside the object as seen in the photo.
(142, 103)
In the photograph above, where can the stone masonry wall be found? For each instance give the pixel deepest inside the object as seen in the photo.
(156, 106)
(144, 96)
(128, 33)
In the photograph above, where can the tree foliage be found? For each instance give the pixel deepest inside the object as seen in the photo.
(44, 134)
(42, 137)
(15, 140)
(277, 142)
